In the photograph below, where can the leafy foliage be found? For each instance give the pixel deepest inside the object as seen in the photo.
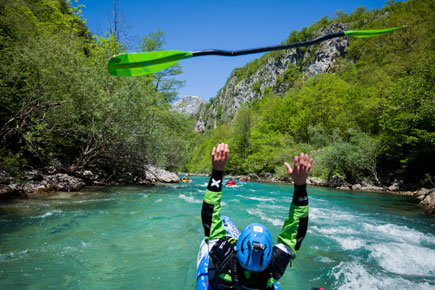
(60, 105)
(168, 86)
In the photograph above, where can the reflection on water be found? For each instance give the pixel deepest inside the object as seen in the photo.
(148, 237)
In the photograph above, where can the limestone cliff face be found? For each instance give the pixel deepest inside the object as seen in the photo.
(314, 60)
(188, 105)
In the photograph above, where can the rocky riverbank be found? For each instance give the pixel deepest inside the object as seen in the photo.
(424, 195)
(45, 181)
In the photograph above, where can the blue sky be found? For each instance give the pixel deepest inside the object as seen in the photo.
(225, 24)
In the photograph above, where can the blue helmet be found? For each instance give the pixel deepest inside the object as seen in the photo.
(254, 247)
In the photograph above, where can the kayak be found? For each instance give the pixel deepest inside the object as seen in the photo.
(186, 180)
(204, 258)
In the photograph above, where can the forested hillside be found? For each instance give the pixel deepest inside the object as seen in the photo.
(59, 105)
(371, 116)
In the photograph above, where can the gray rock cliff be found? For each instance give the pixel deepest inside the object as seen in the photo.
(314, 60)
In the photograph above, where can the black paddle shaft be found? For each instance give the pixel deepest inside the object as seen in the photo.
(268, 48)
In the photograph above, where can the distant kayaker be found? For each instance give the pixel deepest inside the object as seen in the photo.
(252, 262)
(230, 182)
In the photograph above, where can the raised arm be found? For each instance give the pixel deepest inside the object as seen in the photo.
(295, 227)
(211, 206)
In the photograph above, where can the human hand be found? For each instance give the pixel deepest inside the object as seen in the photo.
(301, 169)
(219, 156)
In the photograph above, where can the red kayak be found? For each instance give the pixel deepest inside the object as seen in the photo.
(230, 183)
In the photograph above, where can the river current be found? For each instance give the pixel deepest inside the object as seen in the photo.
(148, 238)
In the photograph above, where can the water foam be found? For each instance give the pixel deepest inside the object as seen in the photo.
(263, 216)
(353, 275)
(11, 255)
(399, 233)
(92, 200)
(49, 213)
(260, 198)
(322, 214)
(274, 207)
(334, 230)
(325, 259)
(189, 199)
(403, 258)
(349, 243)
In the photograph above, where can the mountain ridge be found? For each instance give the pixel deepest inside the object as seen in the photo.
(238, 91)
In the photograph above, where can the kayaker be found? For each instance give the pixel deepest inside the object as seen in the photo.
(186, 177)
(252, 262)
(230, 182)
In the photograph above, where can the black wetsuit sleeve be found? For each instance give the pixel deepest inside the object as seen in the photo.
(295, 227)
(211, 207)
(292, 234)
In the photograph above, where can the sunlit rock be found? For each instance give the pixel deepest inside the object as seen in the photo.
(188, 105)
(428, 203)
(155, 174)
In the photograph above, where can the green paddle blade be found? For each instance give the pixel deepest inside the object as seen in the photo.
(143, 63)
(370, 33)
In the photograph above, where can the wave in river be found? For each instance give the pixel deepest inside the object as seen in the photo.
(391, 257)
(353, 275)
(189, 198)
(49, 213)
(259, 213)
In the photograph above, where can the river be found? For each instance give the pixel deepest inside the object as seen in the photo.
(148, 238)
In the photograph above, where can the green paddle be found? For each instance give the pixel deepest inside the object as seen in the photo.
(143, 63)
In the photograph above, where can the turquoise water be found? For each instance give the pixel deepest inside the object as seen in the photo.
(148, 238)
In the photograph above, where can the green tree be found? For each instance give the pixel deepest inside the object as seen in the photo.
(59, 104)
(320, 102)
(408, 122)
(241, 139)
(355, 158)
(164, 81)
